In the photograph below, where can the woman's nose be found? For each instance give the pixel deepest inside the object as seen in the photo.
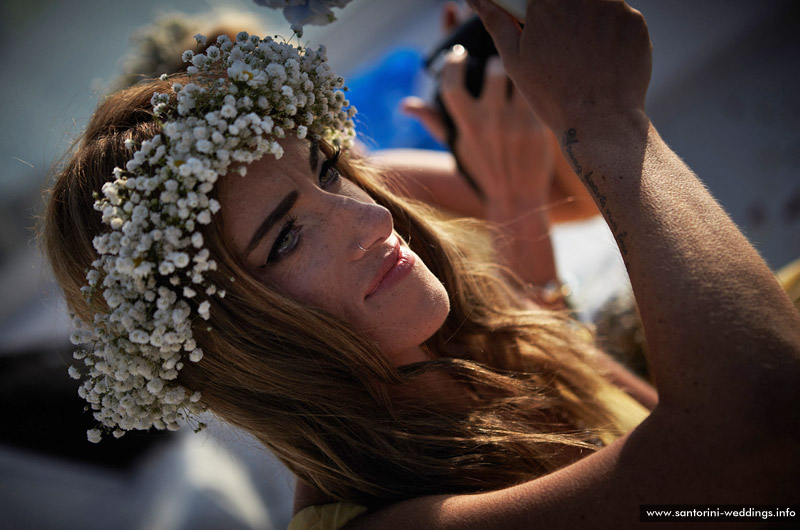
(372, 224)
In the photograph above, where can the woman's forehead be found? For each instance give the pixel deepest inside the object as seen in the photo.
(298, 160)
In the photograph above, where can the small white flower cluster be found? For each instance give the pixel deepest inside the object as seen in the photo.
(302, 12)
(152, 260)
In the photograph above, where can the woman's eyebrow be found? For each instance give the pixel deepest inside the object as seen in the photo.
(280, 211)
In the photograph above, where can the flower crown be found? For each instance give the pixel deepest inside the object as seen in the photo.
(152, 261)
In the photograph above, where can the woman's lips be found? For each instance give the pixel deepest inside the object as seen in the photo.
(395, 266)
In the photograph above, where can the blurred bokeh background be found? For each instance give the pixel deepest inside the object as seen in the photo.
(724, 95)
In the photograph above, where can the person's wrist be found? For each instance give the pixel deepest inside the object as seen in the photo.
(513, 199)
(603, 140)
(602, 125)
(532, 215)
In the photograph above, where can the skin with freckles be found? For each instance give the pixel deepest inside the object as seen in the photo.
(297, 223)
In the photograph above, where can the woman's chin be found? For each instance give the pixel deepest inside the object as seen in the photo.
(422, 323)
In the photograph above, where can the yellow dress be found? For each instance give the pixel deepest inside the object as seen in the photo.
(789, 276)
(326, 517)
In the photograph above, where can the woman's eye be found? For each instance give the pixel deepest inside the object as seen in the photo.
(329, 173)
(329, 177)
(285, 243)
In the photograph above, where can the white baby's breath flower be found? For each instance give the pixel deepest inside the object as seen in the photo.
(199, 61)
(171, 130)
(94, 435)
(204, 217)
(228, 111)
(139, 336)
(180, 259)
(174, 396)
(155, 386)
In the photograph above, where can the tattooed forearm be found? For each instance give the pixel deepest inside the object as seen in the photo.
(570, 139)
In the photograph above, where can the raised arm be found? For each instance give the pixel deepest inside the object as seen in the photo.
(724, 339)
(711, 307)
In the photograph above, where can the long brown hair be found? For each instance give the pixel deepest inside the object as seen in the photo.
(509, 391)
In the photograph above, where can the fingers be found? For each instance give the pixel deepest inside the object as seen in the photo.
(494, 103)
(452, 17)
(516, 8)
(493, 97)
(495, 85)
(497, 103)
(452, 86)
(501, 26)
(429, 117)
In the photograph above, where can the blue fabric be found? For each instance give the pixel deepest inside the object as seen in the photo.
(377, 89)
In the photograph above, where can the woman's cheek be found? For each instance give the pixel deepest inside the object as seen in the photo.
(313, 284)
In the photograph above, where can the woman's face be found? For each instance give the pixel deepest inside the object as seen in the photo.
(297, 224)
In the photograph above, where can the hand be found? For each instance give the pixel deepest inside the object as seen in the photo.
(510, 155)
(500, 142)
(575, 62)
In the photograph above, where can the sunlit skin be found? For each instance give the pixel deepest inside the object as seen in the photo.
(311, 251)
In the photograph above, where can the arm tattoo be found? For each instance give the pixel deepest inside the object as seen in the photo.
(570, 139)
